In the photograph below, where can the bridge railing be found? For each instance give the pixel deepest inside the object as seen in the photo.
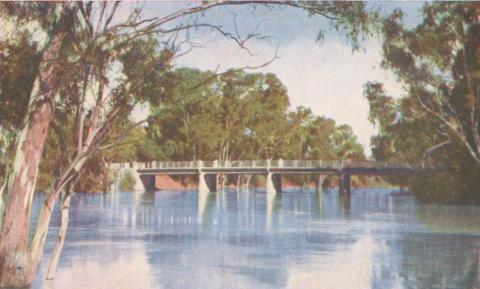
(305, 164)
(235, 164)
(169, 165)
(334, 164)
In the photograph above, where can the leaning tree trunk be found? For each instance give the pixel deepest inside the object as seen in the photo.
(64, 213)
(17, 268)
(15, 261)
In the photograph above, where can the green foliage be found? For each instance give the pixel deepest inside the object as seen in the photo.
(457, 184)
(147, 72)
(127, 182)
(310, 137)
(314, 137)
(18, 66)
(436, 121)
(240, 115)
(94, 69)
(350, 17)
(230, 116)
(96, 176)
(194, 114)
(18, 63)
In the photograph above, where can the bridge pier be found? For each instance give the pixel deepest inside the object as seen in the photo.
(207, 183)
(344, 184)
(274, 183)
(148, 182)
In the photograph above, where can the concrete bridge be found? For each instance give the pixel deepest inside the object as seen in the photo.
(207, 171)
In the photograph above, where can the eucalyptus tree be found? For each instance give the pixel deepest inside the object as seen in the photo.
(437, 119)
(312, 137)
(78, 48)
(80, 45)
(316, 137)
(404, 135)
(345, 144)
(231, 116)
(18, 190)
(266, 118)
(17, 62)
(251, 113)
(227, 117)
(184, 126)
(299, 122)
(319, 141)
(438, 63)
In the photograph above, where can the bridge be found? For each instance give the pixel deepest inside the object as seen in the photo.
(207, 171)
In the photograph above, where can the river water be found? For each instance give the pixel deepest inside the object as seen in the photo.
(297, 239)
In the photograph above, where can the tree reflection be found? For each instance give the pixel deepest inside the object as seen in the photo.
(439, 261)
(449, 256)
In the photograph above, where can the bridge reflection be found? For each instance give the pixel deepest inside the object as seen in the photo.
(297, 239)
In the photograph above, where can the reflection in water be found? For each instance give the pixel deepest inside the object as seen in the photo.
(272, 205)
(350, 268)
(130, 270)
(205, 202)
(295, 239)
(456, 233)
(345, 204)
(458, 261)
(453, 218)
(320, 196)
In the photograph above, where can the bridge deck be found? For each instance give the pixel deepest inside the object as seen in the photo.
(274, 166)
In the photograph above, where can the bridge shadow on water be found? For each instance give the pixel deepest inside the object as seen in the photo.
(250, 239)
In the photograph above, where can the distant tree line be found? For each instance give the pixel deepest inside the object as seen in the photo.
(242, 116)
(232, 116)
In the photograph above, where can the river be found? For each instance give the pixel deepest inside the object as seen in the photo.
(297, 239)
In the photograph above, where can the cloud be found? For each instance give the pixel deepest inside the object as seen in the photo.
(326, 77)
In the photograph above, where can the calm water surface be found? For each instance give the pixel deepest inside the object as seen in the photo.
(297, 239)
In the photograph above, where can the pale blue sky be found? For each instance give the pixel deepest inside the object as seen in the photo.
(327, 76)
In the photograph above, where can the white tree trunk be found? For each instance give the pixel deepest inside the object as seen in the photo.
(18, 262)
(64, 212)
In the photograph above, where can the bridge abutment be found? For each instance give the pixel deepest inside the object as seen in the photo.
(207, 183)
(274, 183)
(344, 184)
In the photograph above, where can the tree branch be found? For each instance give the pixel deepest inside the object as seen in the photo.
(247, 67)
(435, 147)
(123, 136)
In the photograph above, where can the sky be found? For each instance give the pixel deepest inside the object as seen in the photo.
(326, 76)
